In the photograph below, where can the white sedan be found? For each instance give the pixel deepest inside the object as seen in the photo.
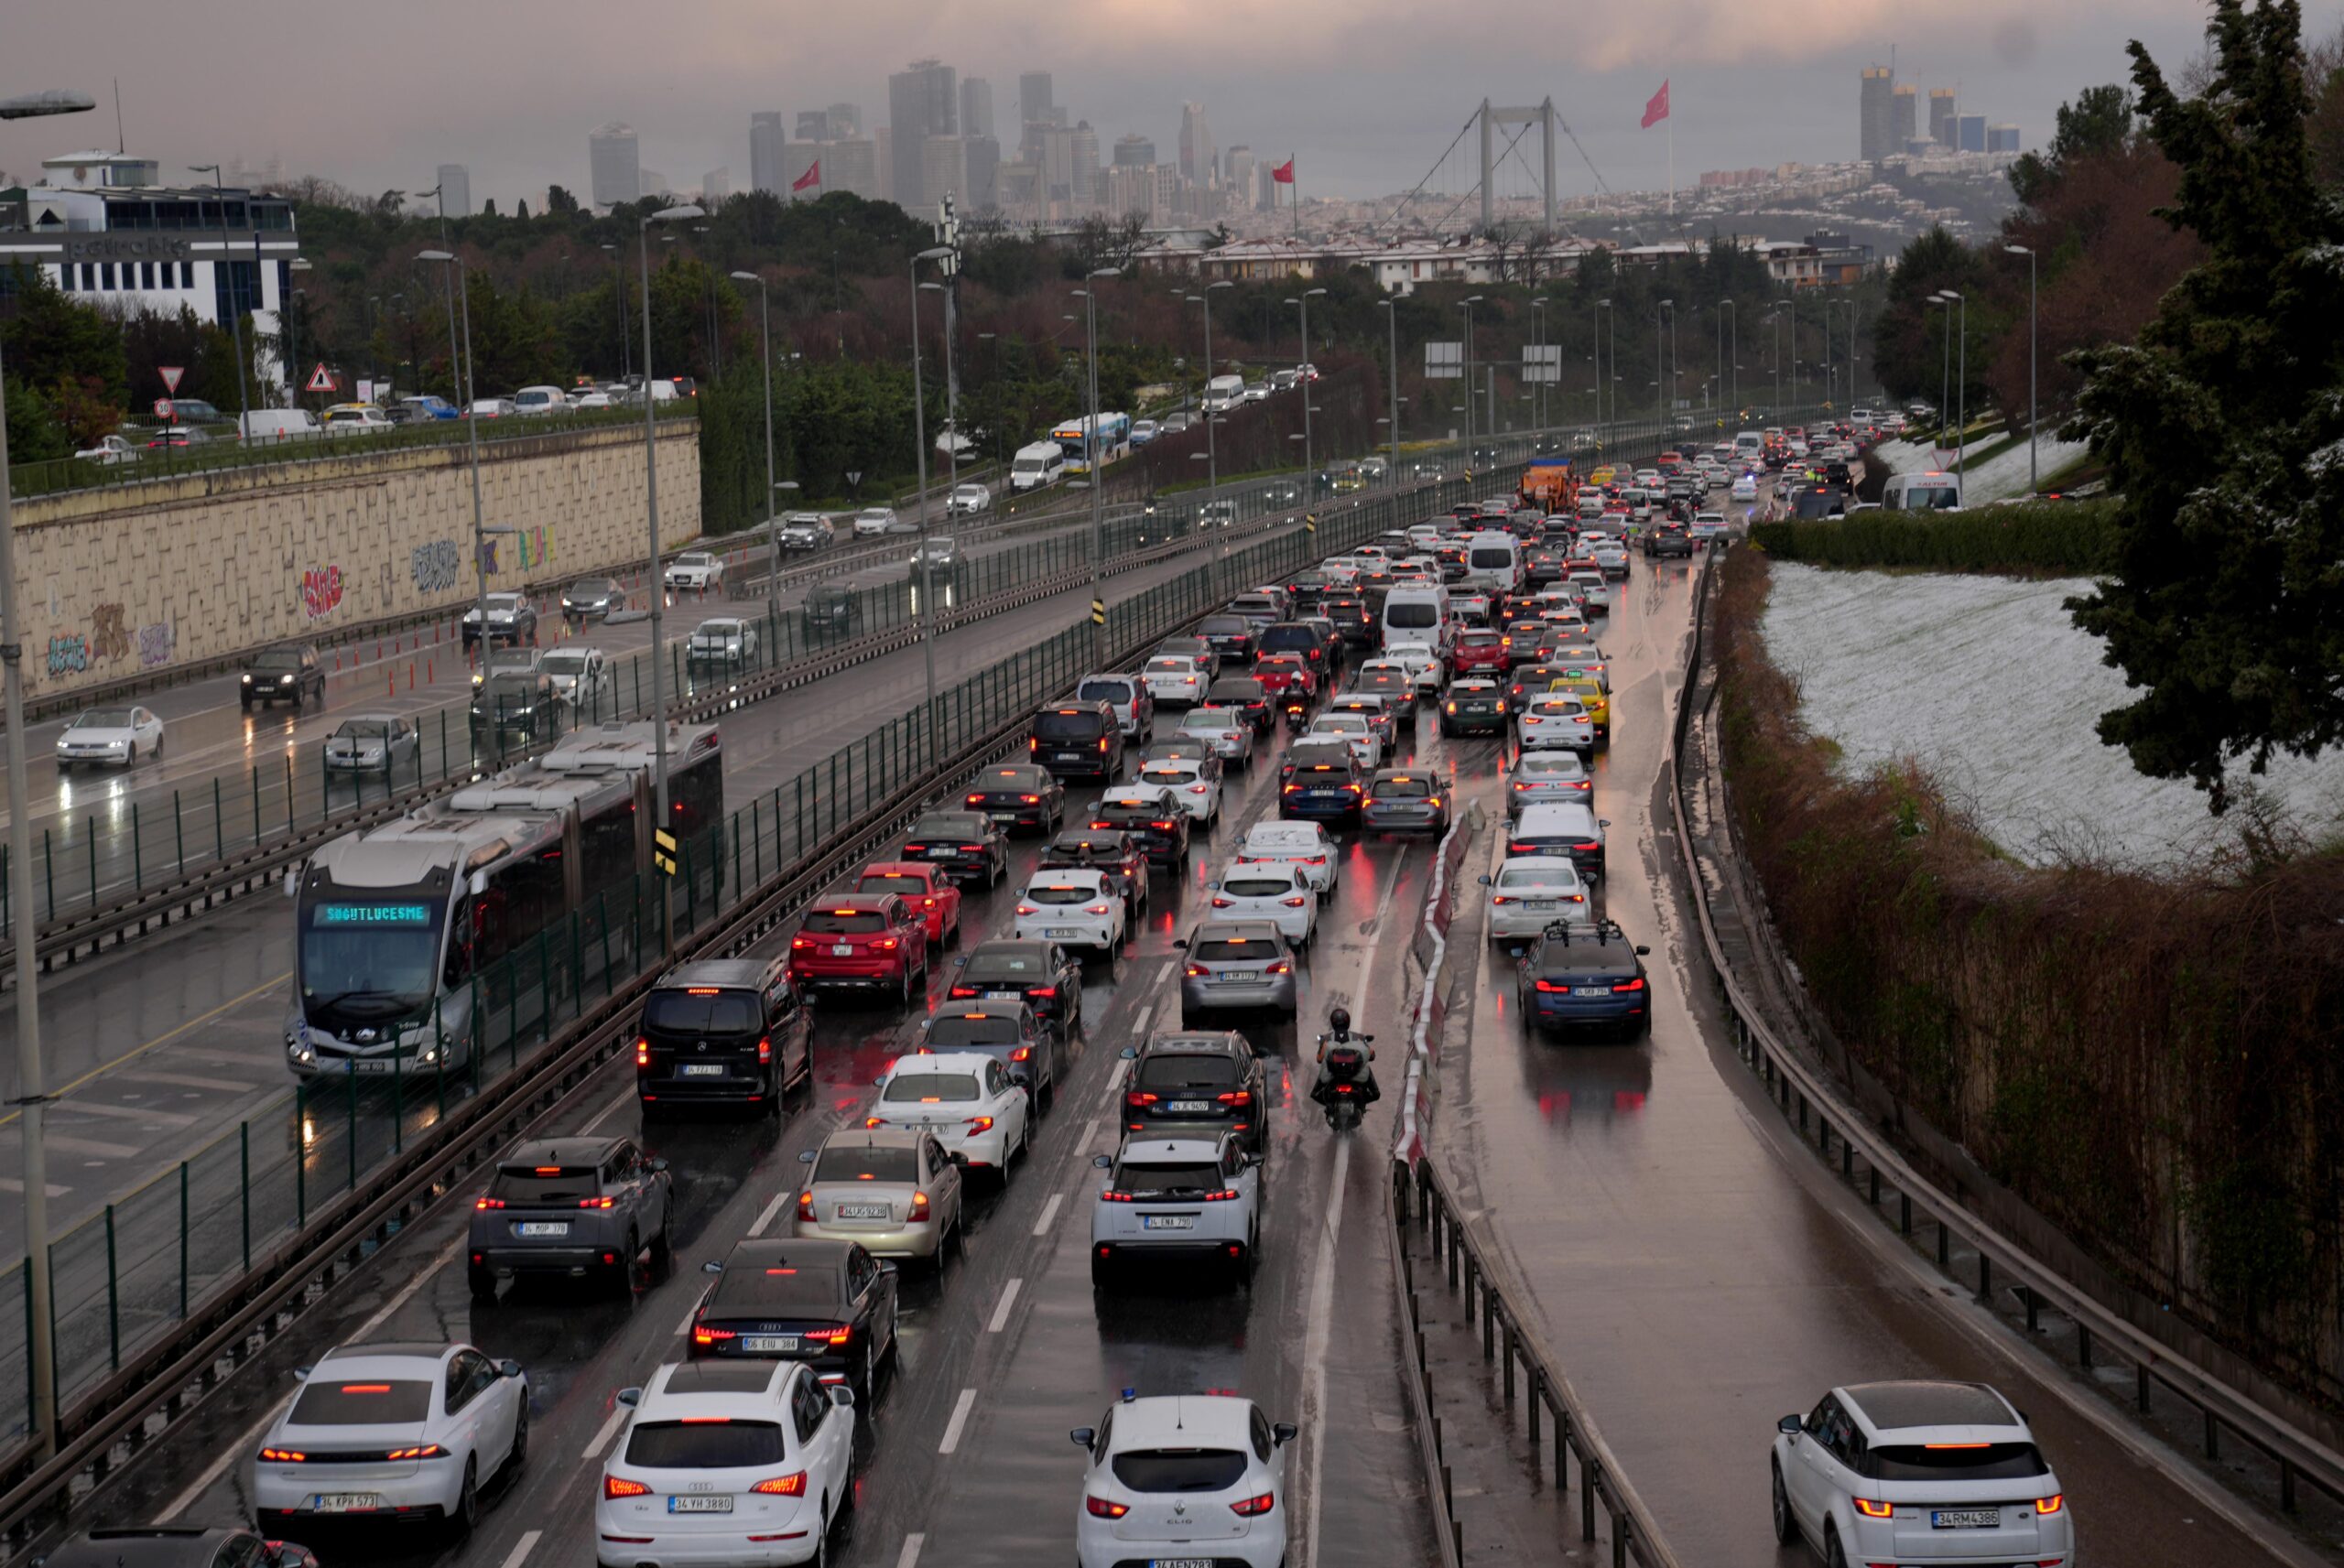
(1554, 722)
(110, 737)
(1225, 730)
(1303, 845)
(1173, 678)
(1274, 890)
(391, 1430)
(1356, 731)
(965, 1098)
(1196, 789)
(874, 520)
(1745, 487)
(1072, 906)
(1530, 890)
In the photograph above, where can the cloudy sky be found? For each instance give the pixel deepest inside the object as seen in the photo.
(1367, 94)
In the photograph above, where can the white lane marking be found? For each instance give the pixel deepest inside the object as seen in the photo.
(1139, 1025)
(1090, 1131)
(522, 1548)
(603, 1435)
(1001, 1314)
(1049, 1212)
(242, 1445)
(910, 1553)
(608, 1111)
(961, 1408)
(103, 1151)
(16, 1184)
(765, 1217)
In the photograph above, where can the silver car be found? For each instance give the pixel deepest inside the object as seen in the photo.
(1547, 778)
(893, 1189)
(1232, 966)
(1225, 730)
(372, 743)
(1404, 800)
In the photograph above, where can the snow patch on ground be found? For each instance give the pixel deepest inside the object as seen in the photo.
(1995, 478)
(1987, 685)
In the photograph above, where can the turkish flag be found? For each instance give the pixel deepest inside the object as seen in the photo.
(1657, 110)
(1284, 173)
(813, 176)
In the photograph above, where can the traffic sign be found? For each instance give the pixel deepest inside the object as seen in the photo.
(322, 380)
(1310, 523)
(1097, 613)
(172, 374)
(163, 408)
(663, 850)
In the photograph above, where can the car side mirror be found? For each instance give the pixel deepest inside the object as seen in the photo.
(1789, 1426)
(1285, 1431)
(805, 1156)
(841, 1395)
(885, 1267)
(1104, 1161)
(1129, 1054)
(961, 962)
(1485, 880)
(1083, 1436)
(630, 1397)
(1603, 822)
(292, 1555)
(1181, 943)
(509, 1367)
(712, 1266)
(302, 1374)
(1642, 951)
(960, 1160)
(658, 1164)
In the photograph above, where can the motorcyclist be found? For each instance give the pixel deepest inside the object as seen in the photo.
(1343, 1054)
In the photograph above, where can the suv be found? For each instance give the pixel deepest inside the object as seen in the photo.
(1669, 540)
(1561, 828)
(805, 531)
(1232, 966)
(1189, 1198)
(573, 1206)
(873, 941)
(289, 673)
(1197, 1083)
(694, 571)
(831, 609)
(1079, 739)
(1150, 814)
(1297, 637)
(723, 1028)
(590, 598)
(1133, 704)
(1580, 974)
(1231, 636)
(511, 619)
(515, 705)
(728, 643)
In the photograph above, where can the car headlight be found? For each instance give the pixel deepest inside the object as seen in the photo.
(248, 680)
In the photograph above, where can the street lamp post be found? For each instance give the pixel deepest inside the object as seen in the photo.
(1538, 338)
(1945, 296)
(1392, 325)
(1659, 352)
(1601, 383)
(472, 427)
(1089, 293)
(773, 533)
(1729, 323)
(1212, 458)
(228, 292)
(927, 567)
(1303, 303)
(1467, 305)
(618, 292)
(1961, 392)
(2034, 480)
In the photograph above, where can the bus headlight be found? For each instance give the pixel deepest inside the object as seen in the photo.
(300, 1050)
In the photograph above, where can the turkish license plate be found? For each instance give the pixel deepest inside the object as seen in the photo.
(767, 1344)
(370, 1064)
(1590, 990)
(543, 1227)
(1003, 815)
(1190, 1106)
(1179, 1562)
(699, 1505)
(1062, 931)
(941, 853)
(1003, 996)
(702, 1069)
(862, 1211)
(1239, 975)
(1966, 1518)
(345, 1502)
(1538, 904)
(1166, 1222)
(841, 950)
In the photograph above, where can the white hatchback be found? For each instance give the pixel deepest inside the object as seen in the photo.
(1354, 730)
(1302, 844)
(1070, 905)
(1182, 1478)
(1529, 892)
(1196, 789)
(726, 1461)
(1554, 722)
(1274, 891)
(964, 1097)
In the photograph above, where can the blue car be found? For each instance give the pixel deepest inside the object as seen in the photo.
(1584, 976)
(430, 406)
(1323, 782)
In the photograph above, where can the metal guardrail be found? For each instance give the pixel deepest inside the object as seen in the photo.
(1805, 1095)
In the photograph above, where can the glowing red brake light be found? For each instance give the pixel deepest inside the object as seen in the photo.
(1250, 1506)
(619, 1486)
(1100, 1508)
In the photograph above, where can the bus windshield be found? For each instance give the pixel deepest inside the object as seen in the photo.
(368, 960)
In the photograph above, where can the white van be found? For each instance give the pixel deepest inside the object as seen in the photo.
(1750, 446)
(1042, 463)
(1417, 617)
(268, 427)
(1493, 561)
(1926, 491)
(540, 400)
(1223, 393)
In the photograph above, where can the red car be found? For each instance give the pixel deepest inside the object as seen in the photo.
(925, 888)
(1285, 672)
(1477, 653)
(864, 941)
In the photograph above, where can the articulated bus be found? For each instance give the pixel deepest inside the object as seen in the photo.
(1115, 440)
(392, 924)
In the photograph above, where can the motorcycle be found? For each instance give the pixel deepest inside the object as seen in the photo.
(1297, 715)
(1346, 1087)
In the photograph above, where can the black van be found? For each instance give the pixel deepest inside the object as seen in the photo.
(1078, 740)
(722, 1031)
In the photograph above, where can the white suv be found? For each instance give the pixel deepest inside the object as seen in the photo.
(1274, 891)
(1303, 845)
(1073, 906)
(695, 571)
(1182, 1477)
(727, 1462)
(1189, 1198)
(967, 501)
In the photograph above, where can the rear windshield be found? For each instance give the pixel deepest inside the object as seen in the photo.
(1477, 640)
(1172, 1181)
(954, 1029)
(1181, 1070)
(1180, 1470)
(760, 1288)
(867, 1164)
(565, 1183)
(1069, 894)
(1005, 964)
(1257, 887)
(1181, 665)
(1411, 616)
(329, 1402)
(1233, 949)
(705, 1444)
(1538, 877)
(853, 921)
(1117, 691)
(1986, 1461)
(929, 1089)
(1056, 726)
(1488, 556)
(1289, 637)
(1169, 773)
(1404, 789)
(703, 1011)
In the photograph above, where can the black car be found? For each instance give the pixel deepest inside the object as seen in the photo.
(1162, 830)
(1110, 849)
(1018, 794)
(1305, 590)
(1323, 781)
(1210, 1082)
(1531, 680)
(1584, 976)
(1473, 707)
(1044, 975)
(579, 1207)
(1197, 648)
(969, 845)
(1078, 740)
(1246, 693)
(826, 1303)
(287, 672)
(1338, 652)
(176, 1546)
(1669, 540)
(831, 609)
(1010, 1031)
(1231, 637)
(1354, 621)
(516, 707)
(1299, 637)
(722, 1031)
(591, 599)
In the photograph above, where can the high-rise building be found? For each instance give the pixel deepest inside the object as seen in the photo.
(2002, 138)
(1131, 188)
(1017, 186)
(766, 143)
(614, 165)
(1903, 114)
(651, 182)
(1874, 140)
(1086, 186)
(813, 125)
(1133, 150)
(976, 106)
(883, 146)
(923, 100)
(455, 184)
(1972, 129)
(853, 166)
(943, 171)
(715, 186)
(1034, 105)
(1198, 163)
(984, 169)
(1237, 173)
(1941, 117)
(846, 121)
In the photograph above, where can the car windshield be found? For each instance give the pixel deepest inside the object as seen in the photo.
(1169, 1179)
(1171, 667)
(700, 1009)
(1170, 773)
(718, 629)
(747, 1288)
(947, 825)
(329, 1402)
(1550, 764)
(1403, 789)
(593, 587)
(275, 659)
(1117, 691)
(1060, 726)
(1188, 1070)
(1959, 1462)
(364, 729)
(846, 922)
(1008, 965)
(1233, 949)
(566, 664)
(695, 559)
(705, 1442)
(929, 1089)
(1057, 894)
(1211, 720)
(103, 719)
(1340, 724)
(365, 960)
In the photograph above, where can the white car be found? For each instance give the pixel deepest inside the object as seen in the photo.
(1357, 730)
(1611, 557)
(727, 642)
(893, 1192)
(1557, 721)
(749, 1461)
(1423, 665)
(873, 521)
(1195, 789)
(1302, 844)
(1708, 528)
(1594, 590)
(1182, 1478)
(694, 571)
(965, 1098)
(967, 501)
(1075, 907)
(1919, 1472)
(1274, 891)
(493, 408)
(1547, 778)
(110, 449)
(110, 737)
(399, 1430)
(1173, 678)
(540, 400)
(583, 677)
(1531, 890)
(592, 397)
(374, 743)
(1225, 730)
(1193, 1199)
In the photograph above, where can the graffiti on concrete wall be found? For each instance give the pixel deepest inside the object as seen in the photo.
(433, 566)
(109, 638)
(69, 654)
(320, 591)
(533, 548)
(157, 644)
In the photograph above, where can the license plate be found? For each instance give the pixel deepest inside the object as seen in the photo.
(543, 1227)
(1190, 1106)
(1590, 990)
(1179, 1562)
(702, 1069)
(345, 1502)
(1166, 1222)
(939, 853)
(841, 950)
(1538, 904)
(1239, 975)
(376, 1064)
(862, 1211)
(1062, 931)
(765, 1344)
(1966, 1518)
(1003, 815)
(699, 1505)
(1003, 996)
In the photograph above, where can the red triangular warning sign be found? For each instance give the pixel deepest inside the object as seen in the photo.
(172, 374)
(321, 380)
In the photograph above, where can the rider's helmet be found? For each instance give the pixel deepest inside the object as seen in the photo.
(1339, 1020)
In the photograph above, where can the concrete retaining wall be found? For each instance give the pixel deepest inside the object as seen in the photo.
(193, 569)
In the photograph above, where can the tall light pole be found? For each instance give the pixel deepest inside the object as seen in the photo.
(1392, 325)
(1538, 340)
(1729, 323)
(1212, 459)
(228, 292)
(1945, 297)
(1309, 488)
(1089, 294)
(1659, 353)
(1603, 418)
(2034, 481)
(1959, 303)
(926, 568)
(32, 1087)
(618, 292)
(457, 281)
(773, 533)
(1467, 305)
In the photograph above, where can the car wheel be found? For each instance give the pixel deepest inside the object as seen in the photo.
(1833, 1556)
(1785, 1521)
(245, 703)
(1103, 1277)
(1245, 1264)
(625, 1271)
(822, 1558)
(467, 1509)
(663, 1251)
(518, 1455)
(903, 989)
(483, 1285)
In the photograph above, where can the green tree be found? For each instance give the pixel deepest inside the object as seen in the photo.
(2098, 123)
(47, 337)
(2222, 428)
(488, 208)
(559, 201)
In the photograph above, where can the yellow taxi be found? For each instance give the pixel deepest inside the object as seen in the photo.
(1594, 693)
(1603, 476)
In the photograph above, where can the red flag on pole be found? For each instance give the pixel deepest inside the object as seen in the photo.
(1284, 173)
(1657, 109)
(813, 176)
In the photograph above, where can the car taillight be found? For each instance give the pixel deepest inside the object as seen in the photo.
(1226, 1195)
(789, 1486)
(1139, 1097)
(619, 1486)
(915, 848)
(284, 1455)
(1294, 902)
(1100, 1508)
(919, 1209)
(1250, 1506)
(976, 800)
(1164, 826)
(1280, 967)
(1033, 743)
(833, 1337)
(978, 1124)
(1871, 1510)
(806, 1205)
(871, 1121)
(1220, 902)
(1022, 909)
(642, 1051)
(2052, 1504)
(702, 1334)
(596, 1202)
(958, 993)
(885, 944)
(1103, 745)
(1636, 985)
(1030, 799)
(798, 943)
(1023, 1053)
(1194, 971)
(1587, 849)
(1236, 1097)
(1109, 1195)
(765, 1049)
(490, 1203)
